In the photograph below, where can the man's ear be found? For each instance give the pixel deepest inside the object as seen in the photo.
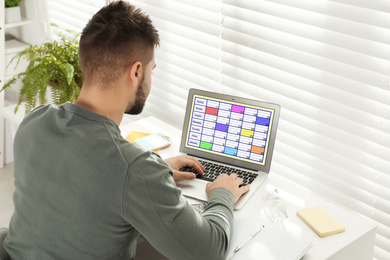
(136, 72)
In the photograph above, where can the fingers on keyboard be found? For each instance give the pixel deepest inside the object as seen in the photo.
(212, 171)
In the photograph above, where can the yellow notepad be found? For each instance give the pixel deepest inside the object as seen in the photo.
(320, 221)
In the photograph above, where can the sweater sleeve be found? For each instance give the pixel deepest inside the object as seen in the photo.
(154, 205)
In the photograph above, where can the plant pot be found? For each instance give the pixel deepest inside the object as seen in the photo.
(12, 14)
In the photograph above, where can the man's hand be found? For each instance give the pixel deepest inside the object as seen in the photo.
(230, 182)
(180, 161)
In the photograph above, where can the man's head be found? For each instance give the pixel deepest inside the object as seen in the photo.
(117, 36)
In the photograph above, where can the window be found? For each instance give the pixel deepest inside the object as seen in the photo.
(327, 63)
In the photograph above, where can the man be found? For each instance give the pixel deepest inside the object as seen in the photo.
(82, 191)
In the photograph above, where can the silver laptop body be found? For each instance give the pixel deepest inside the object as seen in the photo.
(229, 131)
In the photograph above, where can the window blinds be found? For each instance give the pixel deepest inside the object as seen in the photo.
(327, 63)
(188, 56)
(72, 14)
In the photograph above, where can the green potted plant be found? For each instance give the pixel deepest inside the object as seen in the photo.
(56, 64)
(12, 11)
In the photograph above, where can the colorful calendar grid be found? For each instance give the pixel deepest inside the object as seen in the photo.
(229, 129)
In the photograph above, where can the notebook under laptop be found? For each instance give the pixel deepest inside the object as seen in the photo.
(228, 131)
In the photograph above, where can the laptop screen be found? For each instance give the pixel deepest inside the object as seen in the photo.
(229, 129)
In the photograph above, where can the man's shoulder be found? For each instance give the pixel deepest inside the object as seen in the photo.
(42, 109)
(132, 152)
(39, 113)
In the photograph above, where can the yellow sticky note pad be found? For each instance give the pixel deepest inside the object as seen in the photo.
(320, 221)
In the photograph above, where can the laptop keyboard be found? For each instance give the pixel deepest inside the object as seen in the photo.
(212, 170)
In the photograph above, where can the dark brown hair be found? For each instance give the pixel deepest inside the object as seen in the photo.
(116, 36)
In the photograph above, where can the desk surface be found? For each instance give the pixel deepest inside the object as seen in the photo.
(357, 242)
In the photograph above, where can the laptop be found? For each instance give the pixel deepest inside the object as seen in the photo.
(229, 134)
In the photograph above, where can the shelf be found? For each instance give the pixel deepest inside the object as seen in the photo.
(15, 37)
(13, 47)
(8, 113)
(17, 24)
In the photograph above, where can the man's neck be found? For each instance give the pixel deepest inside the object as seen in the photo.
(102, 103)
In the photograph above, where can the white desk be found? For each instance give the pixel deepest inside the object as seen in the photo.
(357, 242)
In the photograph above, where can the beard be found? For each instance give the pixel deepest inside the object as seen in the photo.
(140, 100)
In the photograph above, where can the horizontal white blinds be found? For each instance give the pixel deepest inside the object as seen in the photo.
(327, 63)
(188, 56)
(72, 14)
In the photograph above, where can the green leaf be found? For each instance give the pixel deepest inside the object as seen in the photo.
(12, 3)
(69, 71)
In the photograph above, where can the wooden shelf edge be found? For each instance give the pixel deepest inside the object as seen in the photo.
(17, 24)
(8, 113)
